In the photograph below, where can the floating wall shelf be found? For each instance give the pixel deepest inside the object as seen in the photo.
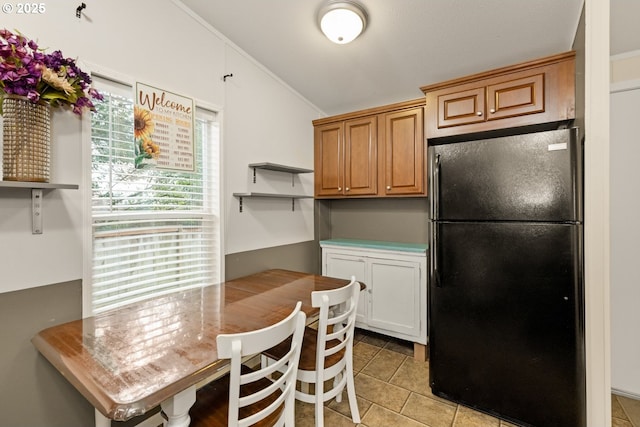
(42, 185)
(277, 168)
(36, 198)
(293, 197)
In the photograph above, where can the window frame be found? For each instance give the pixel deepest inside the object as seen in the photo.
(86, 183)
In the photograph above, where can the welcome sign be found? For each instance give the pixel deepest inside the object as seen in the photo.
(164, 124)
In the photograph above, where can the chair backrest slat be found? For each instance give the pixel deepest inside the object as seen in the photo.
(238, 346)
(338, 310)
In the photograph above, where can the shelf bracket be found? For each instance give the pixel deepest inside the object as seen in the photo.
(293, 205)
(36, 211)
(254, 175)
(240, 204)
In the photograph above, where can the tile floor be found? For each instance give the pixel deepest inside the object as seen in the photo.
(625, 412)
(393, 391)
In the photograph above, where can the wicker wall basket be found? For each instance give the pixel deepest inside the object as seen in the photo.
(26, 138)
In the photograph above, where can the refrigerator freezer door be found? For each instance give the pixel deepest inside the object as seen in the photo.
(506, 323)
(531, 177)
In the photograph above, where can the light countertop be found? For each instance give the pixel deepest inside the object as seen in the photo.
(377, 244)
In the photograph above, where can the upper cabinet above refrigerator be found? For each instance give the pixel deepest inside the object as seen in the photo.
(530, 93)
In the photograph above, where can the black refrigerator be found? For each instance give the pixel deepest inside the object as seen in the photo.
(506, 294)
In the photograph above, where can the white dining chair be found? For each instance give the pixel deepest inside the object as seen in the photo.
(247, 397)
(327, 353)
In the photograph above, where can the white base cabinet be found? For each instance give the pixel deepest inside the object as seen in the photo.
(394, 302)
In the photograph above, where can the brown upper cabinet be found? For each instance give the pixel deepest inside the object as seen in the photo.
(529, 93)
(377, 152)
(404, 170)
(346, 154)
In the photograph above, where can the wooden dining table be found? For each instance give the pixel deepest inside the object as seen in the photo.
(128, 361)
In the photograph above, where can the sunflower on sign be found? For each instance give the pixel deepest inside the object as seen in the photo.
(143, 127)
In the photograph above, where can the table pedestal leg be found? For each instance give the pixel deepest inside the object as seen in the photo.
(177, 408)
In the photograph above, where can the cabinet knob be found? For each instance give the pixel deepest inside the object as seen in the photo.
(346, 189)
(388, 187)
(339, 188)
(493, 110)
(479, 113)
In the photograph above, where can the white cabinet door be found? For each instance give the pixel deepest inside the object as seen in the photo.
(344, 267)
(394, 302)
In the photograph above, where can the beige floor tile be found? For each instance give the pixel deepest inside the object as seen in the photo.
(359, 363)
(384, 364)
(616, 409)
(364, 350)
(358, 334)
(344, 408)
(377, 340)
(506, 424)
(380, 392)
(631, 408)
(399, 346)
(378, 416)
(429, 411)
(617, 422)
(413, 376)
(305, 416)
(335, 419)
(466, 417)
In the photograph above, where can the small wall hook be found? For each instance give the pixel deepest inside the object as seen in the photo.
(224, 78)
(79, 10)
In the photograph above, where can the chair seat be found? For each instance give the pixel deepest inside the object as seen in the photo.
(212, 403)
(308, 353)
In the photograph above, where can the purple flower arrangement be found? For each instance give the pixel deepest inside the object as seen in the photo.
(25, 70)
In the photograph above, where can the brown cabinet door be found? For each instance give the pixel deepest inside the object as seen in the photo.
(405, 152)
(529, 93)
(361, 157)
(457, 107)
(515, 97)
(328, 159)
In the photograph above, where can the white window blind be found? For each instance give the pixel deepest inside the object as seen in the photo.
(154, 231)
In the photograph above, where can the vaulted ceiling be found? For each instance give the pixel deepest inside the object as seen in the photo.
(407, 43)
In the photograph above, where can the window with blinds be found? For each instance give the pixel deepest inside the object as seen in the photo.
(154, 231)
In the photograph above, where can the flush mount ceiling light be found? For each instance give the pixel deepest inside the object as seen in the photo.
(342, 21)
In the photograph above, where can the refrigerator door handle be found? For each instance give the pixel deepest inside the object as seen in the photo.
(436, 188)
(435, 254)
(435, 215)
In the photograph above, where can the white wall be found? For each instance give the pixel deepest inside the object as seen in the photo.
(625, 67)
(29, 260)
(269, 126)
(157, 42)
(625, 229)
